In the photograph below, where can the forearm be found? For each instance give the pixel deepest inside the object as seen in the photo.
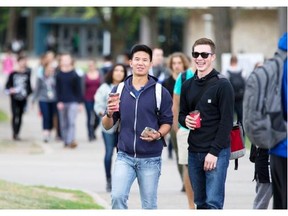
(164, 129)
(175, 109)
(107, 121)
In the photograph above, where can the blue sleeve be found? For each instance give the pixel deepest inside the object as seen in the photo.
(284, 90)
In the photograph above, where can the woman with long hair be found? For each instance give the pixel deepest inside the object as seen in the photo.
(116, 75)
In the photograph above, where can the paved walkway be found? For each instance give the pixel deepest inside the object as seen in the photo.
(82, 168)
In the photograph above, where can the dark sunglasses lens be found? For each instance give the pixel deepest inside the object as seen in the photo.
(195, 54)
(204, 55)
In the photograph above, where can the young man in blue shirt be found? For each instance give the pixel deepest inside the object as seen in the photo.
(138, 156)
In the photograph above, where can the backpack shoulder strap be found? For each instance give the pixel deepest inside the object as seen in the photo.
(221, 76)
(120, 88)
(282, 54)
(158, 94)
(183, 76)
(206, 86)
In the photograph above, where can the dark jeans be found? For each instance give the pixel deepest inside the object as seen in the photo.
(238, 108)
(48, 110)
(17, 108)
(110, 141)
(92, 119)
(278, 166)
(208, 186)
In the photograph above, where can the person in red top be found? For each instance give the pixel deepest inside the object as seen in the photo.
(92, 81)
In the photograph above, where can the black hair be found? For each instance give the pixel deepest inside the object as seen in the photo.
(141, 47)
(108, 57)
(21, 57)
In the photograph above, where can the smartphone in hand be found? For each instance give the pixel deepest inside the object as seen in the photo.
(147, 130)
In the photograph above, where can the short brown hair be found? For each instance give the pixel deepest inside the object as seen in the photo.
(205, 41)
(233, 59)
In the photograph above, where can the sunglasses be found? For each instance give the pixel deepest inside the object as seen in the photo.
(204, 55)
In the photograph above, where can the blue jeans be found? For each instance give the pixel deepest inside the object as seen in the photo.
(92, 121)
(126, 170)
(48, 110)
(208, 186)
(67, 118)
(110, 141)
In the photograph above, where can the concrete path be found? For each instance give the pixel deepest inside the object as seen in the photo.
(83, 168)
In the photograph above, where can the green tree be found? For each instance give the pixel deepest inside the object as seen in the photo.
(12, 24)
(122, 23)
(3, 25)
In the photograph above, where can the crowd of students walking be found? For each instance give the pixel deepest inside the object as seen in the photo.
(202, 153)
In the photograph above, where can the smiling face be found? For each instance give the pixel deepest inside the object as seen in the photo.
(203, 65)
(140, 63)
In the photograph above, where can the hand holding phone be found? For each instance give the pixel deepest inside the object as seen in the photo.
(147, 130)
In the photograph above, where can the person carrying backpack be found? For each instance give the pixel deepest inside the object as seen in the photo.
(262, 177)
(278, 154)
(265, 116)
(237, 80)
(138, 156)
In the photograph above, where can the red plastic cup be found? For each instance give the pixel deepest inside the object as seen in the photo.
(196, 113)
(115, 97)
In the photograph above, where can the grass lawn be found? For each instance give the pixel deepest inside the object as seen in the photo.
(3, 116)
(17, 196)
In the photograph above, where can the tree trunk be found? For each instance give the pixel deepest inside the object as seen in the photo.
(12, 25)
(223, 25)
(30, 29)
(153, 20)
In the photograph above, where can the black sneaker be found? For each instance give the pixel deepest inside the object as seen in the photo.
(108, 185)
(46, 139)
(16, 137)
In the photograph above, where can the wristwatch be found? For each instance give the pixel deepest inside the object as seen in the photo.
(160, 135)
